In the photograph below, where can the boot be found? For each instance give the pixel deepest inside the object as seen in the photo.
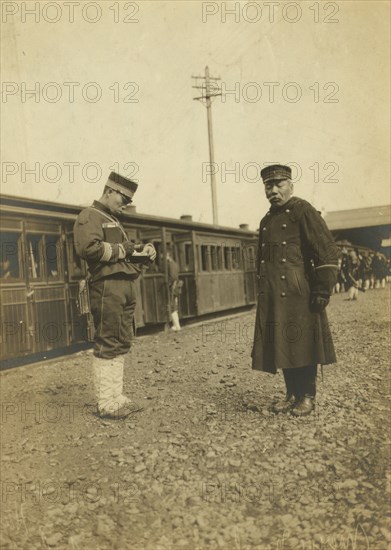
(175, 321)
(306, 385)
(305, 406)
(104, 389)
(118, 382)
(286, 404)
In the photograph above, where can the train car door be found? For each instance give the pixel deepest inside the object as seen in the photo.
(184, 255)
(16, 337)
(47, 295)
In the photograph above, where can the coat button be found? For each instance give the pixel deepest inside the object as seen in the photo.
(262, 261)
(283, 294)
(283, 260)
(284, 243)
(263, 244)
(283, 277)
(287, 210)
(284, 225)
(264, 229)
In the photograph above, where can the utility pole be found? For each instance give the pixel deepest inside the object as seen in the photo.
(209, 89)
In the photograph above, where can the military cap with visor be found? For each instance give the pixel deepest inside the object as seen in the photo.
(121, 184)
(276, 172)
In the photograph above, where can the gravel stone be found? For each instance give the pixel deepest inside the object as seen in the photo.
(208, 465)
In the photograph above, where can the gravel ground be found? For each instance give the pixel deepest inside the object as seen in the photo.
(206, 465)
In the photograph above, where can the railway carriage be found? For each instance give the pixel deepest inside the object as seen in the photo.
(40, 273)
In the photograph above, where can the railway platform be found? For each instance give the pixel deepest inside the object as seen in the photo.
(206, 465)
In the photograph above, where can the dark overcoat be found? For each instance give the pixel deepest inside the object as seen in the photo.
(296, 256)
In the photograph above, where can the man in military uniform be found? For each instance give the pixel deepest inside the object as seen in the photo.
(297, 266)
(114, 264)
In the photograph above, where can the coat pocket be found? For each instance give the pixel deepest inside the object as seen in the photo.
(297, 282)
(293, 286)
(301, 283)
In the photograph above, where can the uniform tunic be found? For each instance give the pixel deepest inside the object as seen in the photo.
(99, 239)
(296, 256)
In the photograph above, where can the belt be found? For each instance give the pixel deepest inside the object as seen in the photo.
(119, 277)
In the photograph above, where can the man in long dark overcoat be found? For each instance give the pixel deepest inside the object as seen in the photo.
(297, 266)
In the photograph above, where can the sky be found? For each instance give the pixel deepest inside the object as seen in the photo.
(303, 83)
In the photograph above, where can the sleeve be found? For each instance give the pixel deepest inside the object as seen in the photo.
(90, 243)
(321, 250)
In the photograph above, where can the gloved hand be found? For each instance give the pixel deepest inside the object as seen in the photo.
(319, 302)
(128, 247)
(150, 250)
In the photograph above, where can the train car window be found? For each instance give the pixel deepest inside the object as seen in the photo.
(233, 258)
(227, 258)
(235, 251)
(188, 257)
(10, 269)
(216, 258)
(205, 258)
(213, 257)
(52, 257)
(185, 257)
(219, 258)
(34, 256)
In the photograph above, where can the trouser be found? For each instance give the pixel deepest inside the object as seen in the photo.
(301, 381)
(113, 301)
(353, 293)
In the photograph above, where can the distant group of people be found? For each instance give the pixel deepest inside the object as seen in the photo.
(361, 272)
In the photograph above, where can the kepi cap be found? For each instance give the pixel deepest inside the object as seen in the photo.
(124, 185)
(276, 172)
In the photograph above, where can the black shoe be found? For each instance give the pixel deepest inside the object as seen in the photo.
(305, 406)
(284, 405)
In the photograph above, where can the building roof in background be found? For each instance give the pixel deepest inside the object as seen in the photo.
(360, 217)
